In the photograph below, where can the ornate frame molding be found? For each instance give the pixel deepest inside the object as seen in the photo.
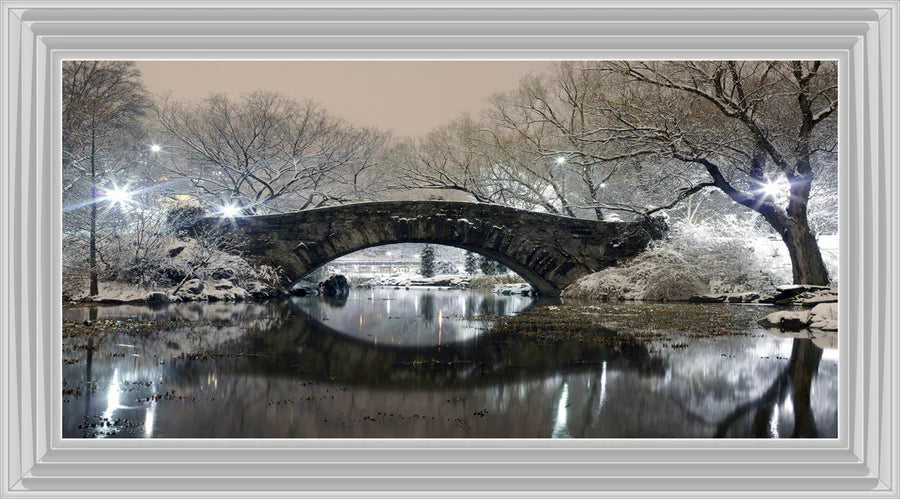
(38, 34)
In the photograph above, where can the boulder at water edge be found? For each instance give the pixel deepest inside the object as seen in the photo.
(334, 285)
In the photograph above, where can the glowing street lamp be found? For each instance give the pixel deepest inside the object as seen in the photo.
(229, 211)
(155, 148)
(775, 189)
(119, 196)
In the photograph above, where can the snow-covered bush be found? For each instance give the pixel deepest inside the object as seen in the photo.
(149, 249)
(697, 258)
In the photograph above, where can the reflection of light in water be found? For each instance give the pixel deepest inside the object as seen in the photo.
(387, 304)
(560, 428)
(788, 405)
(440, 326)
(773, 423)
(149, 418)
(112, 398)
(602, 387)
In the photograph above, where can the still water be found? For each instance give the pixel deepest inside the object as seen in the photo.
(426, 363)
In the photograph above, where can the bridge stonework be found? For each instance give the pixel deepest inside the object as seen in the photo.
(549, 251)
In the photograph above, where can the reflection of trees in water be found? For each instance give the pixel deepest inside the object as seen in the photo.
(492, 305)
(795, 380)
(471, 305)
(301, 347)
(427, 308)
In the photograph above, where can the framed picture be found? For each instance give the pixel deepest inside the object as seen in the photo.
(316, 250)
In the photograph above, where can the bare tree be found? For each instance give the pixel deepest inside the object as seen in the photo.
(553, 119)
(103, 103)
(755, 130)
(366, 174)
(449, 158)
(265, 151)
(486, 162)
(541, 147)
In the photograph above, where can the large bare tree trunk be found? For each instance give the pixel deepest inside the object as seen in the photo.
(806, 258)
(95, 289)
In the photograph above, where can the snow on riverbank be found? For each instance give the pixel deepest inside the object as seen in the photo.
(405, 280)
(410, 280)
(774, 254)
(678, 272)
(192, 290)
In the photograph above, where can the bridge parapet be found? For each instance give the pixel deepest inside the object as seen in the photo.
(549, 251)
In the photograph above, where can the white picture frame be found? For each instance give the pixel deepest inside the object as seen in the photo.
(38, 34)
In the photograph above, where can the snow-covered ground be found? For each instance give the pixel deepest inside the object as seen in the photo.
(774, 254)
(410, 279)
(695, 266)
(500, 284)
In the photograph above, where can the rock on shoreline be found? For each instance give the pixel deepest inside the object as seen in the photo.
(334, 286)
(523, 289)
(802, 295)
(823, 316)
(211, 290)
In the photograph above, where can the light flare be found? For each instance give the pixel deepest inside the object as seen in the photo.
(229, 211)
(775, 189)
(118, 195)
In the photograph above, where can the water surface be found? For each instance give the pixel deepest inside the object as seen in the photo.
(426, 363)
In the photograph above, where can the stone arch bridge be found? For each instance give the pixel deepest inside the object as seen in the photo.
(549, 251)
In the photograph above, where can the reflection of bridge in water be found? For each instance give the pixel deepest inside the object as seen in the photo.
(589, 391)
(307, 346)
(310, 348)
(549, 251)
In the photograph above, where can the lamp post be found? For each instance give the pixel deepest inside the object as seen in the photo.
(560, 161)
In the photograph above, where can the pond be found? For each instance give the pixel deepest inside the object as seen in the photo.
(429, 363)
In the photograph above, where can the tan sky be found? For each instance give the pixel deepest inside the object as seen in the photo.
(408, 97)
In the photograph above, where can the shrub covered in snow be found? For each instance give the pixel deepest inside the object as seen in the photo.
(697, 258)
(153, 252)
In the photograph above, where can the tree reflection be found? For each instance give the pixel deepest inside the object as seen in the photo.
(492, 306)
(427, 308)
(795, 380)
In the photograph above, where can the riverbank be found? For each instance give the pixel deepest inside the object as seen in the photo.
(194, 290)
(616, 285)
(214, 290)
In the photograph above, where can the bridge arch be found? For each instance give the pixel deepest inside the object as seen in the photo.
(548, 251)
(539, 282)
